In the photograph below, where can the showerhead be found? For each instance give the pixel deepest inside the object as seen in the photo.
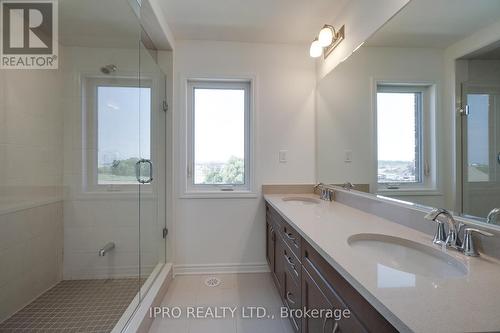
(108, 69)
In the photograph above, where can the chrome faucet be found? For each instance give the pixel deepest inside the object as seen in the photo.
(440, 237)
(493, 216)
(325, 193)
(108, 247)
(348, 186)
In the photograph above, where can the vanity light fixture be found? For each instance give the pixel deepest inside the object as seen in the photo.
(316, 49)
(327, 41)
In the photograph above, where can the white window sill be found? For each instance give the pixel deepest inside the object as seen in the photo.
(219, 195)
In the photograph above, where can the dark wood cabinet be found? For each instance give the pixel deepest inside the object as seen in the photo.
(274, 249)
(280, 265)
(270, 246)
(313, 298)
(306, 281)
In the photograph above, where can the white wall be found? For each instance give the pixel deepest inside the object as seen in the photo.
(361, 19)
(31, 164)
(344, 103)
(31, 130)
(230, 233)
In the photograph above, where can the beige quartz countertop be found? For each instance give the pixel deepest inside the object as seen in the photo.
(411, 302)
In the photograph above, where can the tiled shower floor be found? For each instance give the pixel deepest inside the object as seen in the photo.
(76, 306)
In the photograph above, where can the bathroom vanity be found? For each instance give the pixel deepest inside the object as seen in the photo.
(328, 255)
(305, 280)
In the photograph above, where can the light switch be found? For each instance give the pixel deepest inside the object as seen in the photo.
(348, 156)
(282, 156)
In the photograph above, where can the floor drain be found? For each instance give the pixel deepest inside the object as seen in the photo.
(212, 282)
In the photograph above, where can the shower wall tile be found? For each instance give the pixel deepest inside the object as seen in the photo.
(91, 223)
(31, 136)
(31, 253)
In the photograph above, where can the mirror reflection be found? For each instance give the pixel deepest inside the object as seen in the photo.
(414, 114)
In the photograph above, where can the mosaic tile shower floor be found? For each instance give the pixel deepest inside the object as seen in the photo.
(91, 306)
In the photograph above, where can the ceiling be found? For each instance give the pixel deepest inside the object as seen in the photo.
(98, 23)
(490, 52)
(267, 21)
(436, 23)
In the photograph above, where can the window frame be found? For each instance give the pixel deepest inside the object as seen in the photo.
(426, 136)
(90, 131)
(218, 190)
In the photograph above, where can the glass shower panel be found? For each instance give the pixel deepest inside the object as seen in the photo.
(77, 207)
(481, 149)
(152, 166)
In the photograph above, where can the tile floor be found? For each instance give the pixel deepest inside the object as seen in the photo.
(235, 290)
(88, 306)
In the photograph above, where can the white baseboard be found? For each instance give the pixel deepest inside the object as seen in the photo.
(198, 269)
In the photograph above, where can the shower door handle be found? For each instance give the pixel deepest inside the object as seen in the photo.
(138, 171)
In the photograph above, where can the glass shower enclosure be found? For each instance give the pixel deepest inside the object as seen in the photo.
(82, 180)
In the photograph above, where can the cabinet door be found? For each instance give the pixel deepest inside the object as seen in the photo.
(291, 289)
(270, 247)
(313, 298)
(279, 265)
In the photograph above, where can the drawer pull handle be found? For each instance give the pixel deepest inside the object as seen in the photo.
(289, 297)
(289, 236)
(335, 326)
(290, 261)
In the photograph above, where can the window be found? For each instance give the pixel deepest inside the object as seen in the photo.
(218, 136)
(403, 136)
(118, 131)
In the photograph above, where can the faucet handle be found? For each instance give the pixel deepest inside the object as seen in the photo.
(468, 247)
(440, 237)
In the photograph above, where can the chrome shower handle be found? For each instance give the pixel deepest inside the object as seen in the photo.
(138, 171)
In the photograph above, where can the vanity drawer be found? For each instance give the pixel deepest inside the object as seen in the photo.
(293, 299)
(292, 264)
(274, 218)
(337, 288)
(315, 295)
(291, 238)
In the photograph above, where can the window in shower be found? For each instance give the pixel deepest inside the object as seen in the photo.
(478, 134)
(218, 136)
(119, 130)
(403, 136)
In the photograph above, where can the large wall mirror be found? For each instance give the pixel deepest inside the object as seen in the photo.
(414, 114)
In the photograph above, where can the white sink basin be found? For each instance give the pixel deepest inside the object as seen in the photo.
(302, 200)
(407, 256)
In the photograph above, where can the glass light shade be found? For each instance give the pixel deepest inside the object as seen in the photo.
(325, 37)
(316, 50)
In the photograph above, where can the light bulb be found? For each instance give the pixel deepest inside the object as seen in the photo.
(316, 50)
(325, 37)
